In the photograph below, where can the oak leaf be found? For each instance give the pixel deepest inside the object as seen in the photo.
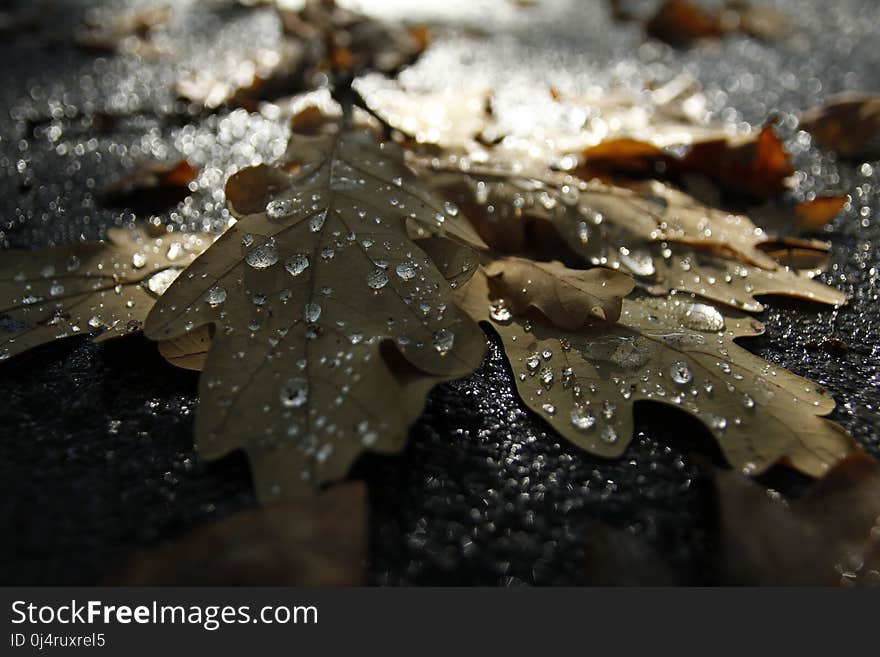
(56, 292)
(663, 237)
(304, 292)
(674, 351)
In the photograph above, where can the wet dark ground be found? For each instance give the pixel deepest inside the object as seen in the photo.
(96, 456)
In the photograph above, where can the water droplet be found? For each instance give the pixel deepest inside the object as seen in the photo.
(246, 240)
(263, 256)
(311, 312)
(56, 289)
(138, 260)
(295, 393)
(161, 281)
(297, 264)
(608, 409)
(280, 208)
(609, 434)
(582, 419)
(500, 311)
(377, 279)
(550, 409)
(406, 270)
(701, 317)
(532, 363)
(215, 296)
(443, 341)
(680, 372)
(316, 223)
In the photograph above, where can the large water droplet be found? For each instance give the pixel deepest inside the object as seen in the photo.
(377, 279)
(680, 372)
(297, 264)
(215, 296)
(701, 317)
(582, 419)
(406, 270)
(311, 312)
(500, 311)
(263, 256)
(280, 208)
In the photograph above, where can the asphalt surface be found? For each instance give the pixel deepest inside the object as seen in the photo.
(96, 456)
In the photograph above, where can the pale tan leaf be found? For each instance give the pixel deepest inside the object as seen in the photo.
(674, 351)
(663, 237)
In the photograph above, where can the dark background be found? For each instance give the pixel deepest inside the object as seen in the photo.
(96, 456)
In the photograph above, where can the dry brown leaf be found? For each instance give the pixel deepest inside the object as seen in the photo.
(303, 291)
(661, 132)
(847, 124)
(128, 31)
(681, 22)
(663, 237)
(57, 292)
(316, 542)
(830, 536)
(754, 164)
(673, 351)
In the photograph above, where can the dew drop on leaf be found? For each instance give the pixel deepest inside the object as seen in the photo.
(701, 317)
(297, 264)
(443, 341)
(311, 312)
(215, 296)
(582, 419)
(377, 279)
(500, 311)
(680, 372)
(406, 270)
(295, 393)
(262, 257)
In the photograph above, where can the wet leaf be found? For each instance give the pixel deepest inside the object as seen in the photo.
(663, 237)
(110, 287)
(662, 131)
(754, 163)
(848, 125)
(315, 542)
(303, 292)
(674, 351)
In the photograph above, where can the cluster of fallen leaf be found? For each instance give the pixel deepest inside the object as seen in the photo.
(364, 260)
